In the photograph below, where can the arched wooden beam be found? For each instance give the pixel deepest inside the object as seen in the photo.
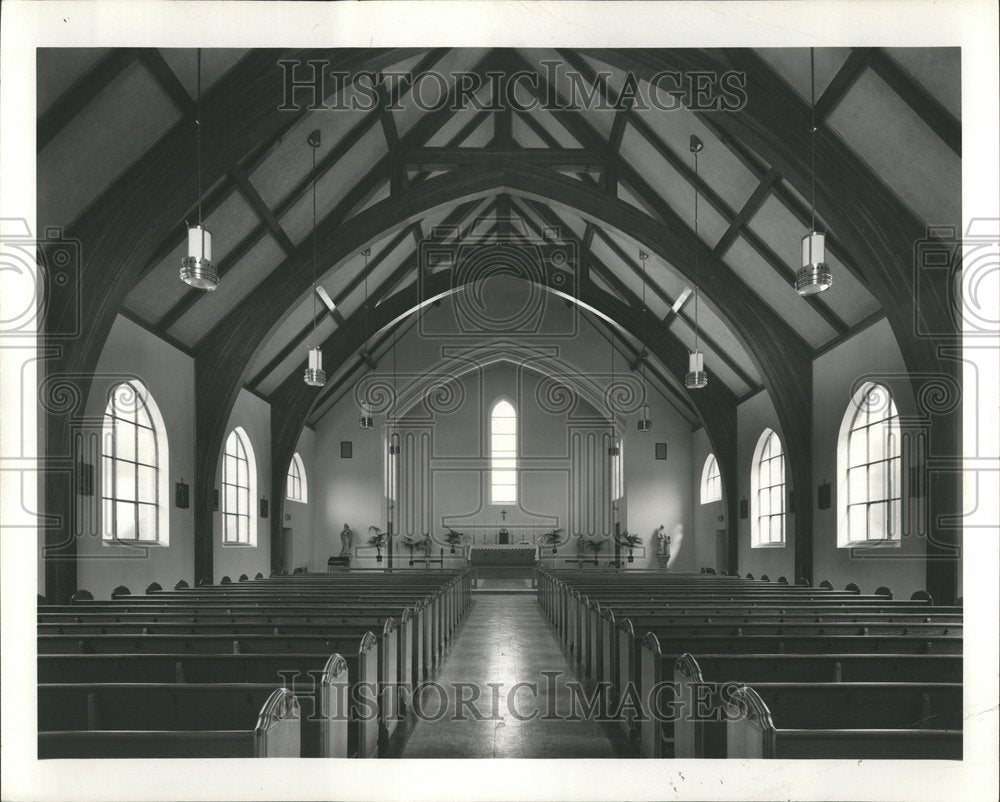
(886, 239)
(119, 233)
(230, 348)
(293, 399)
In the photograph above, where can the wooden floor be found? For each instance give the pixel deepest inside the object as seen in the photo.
(506, 639)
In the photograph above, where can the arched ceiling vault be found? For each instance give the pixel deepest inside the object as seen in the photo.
(609, 181)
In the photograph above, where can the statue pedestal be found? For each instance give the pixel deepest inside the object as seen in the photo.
(662, 560)
(340, 562)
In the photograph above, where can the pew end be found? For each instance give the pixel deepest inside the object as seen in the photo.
(279, 728)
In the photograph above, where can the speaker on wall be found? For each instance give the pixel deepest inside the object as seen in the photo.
(823, 496)
(182, 495)
(744, 509)
(215, 498)
(263, 507)
(661, 450)
(346, 449)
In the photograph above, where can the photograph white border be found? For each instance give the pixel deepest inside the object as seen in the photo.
(158, 23)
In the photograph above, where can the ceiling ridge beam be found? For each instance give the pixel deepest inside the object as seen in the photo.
(80, 93)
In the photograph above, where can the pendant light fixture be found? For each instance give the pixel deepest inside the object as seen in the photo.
(696, 378)
(314, 376)
(645, 424)
(197, 269)
(815, 275)
(367, 421)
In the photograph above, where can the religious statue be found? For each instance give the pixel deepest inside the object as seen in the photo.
(346, 539)
(662, 541)
(581, 546)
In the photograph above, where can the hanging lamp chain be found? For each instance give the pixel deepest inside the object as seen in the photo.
(697, 241)
(314, 244)
(812, 129)
(197, 133)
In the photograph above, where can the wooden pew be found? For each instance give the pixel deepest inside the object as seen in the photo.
(151, 720)
(337, 693)
(699, 729)
(656, 664)
(343, 641)
(869, 721)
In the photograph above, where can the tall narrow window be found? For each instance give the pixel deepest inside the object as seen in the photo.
(239, 489)
(767, 488)
(295, 482)
(134, 467)
(711, 481)
(503, 453)
(869, 496)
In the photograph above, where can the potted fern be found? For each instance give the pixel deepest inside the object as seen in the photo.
(422, 543)
(630, 541)
(595, 546)
(376, 538)
(553, 538)
(453, 538)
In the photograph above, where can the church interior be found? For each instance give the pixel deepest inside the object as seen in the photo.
(380, 381)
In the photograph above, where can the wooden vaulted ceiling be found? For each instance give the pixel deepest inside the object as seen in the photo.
(100, 111)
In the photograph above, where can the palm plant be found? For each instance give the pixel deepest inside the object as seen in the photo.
(553, 538)
(422, 543)
(376, 538)
(453, 538)
(595, 546)
(630, 541)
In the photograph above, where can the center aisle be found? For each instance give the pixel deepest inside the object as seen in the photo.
(505, 640)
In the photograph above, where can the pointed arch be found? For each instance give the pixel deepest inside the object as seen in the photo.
(134, 468)
(503, 452)
(296, 484)
(239, 491)
(767, 492)
(711, 481)
(869, 472)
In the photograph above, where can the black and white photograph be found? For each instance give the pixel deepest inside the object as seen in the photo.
(500, 401)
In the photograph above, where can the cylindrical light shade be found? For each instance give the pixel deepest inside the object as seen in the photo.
(645, 424)
(197, 269)
(815, 275)
(315, 376)
(696, 378)
(367, 421)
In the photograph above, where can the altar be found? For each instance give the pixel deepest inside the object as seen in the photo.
(503, 554)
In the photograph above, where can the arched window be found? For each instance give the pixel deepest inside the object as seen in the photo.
(868, 464)
(295, 483)
(767, 492)
(239, 489)
(503, 453)
(134, 463)
(711, 481)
